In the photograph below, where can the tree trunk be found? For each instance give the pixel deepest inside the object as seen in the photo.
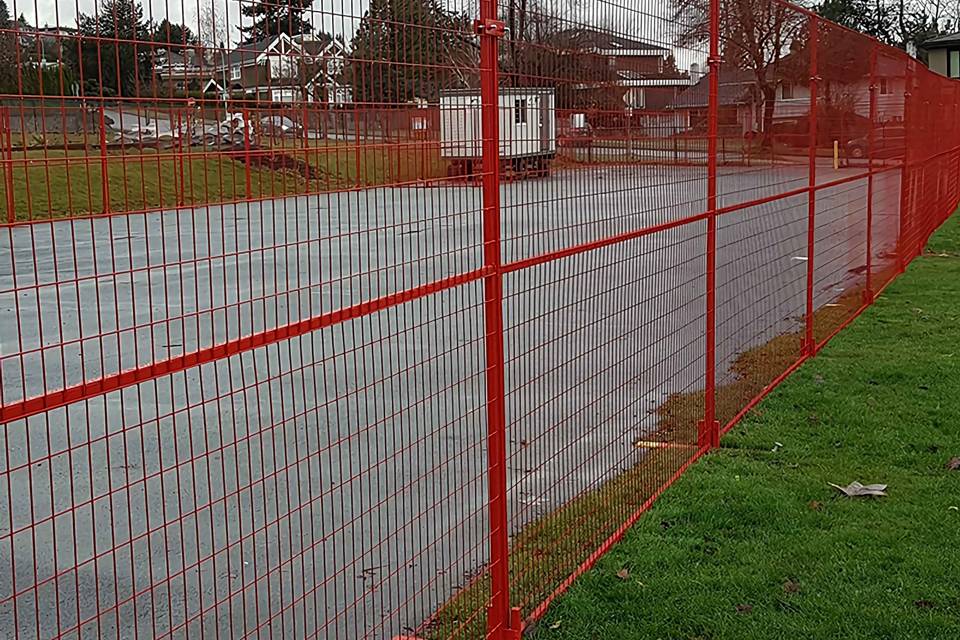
(769, 93)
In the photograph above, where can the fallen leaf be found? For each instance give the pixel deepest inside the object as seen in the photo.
(954, 464)
(791, 587)
(623, 574)
(555, 625)
(815, 505)
(923, 604)
(857, 490)
(744, 608)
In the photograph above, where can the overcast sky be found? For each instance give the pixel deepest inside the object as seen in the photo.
(641, 19)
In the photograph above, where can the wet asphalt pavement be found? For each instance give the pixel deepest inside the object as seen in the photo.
(333, 484)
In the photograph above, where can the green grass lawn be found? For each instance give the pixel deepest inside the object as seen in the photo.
(752, 542)
(57, 183)
(61, 183)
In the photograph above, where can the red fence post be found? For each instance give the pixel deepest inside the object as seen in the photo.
(356, 147)
(868, 289)
(905, 176)
(7, 141)
(502, 623)
(246, 153)
(104, 175)
(810, 346)
(181, 184)
(709, 432)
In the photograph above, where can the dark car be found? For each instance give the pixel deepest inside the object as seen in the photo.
(795, 132)
(888, 142)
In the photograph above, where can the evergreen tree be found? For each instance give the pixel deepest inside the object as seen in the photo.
(271, 18)
(406, 49)
(124, 63)
(174, 37)
(8, 52)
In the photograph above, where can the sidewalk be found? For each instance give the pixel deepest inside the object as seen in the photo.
(752, 542)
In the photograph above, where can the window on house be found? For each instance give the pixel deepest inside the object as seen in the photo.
(520, 111)
(786, 89)
(953, 63)
(884, 87)
(235, 72)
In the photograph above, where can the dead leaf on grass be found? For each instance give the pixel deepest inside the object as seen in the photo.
(623, 574)
(815, 505)
(857, 490)
(954, 464)
(791, 587)
(555, 625)
(744, 608)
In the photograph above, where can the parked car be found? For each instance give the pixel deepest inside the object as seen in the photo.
(280, 127)
(795, 132)
(888, 142)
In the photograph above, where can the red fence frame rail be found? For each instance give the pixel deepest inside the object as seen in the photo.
(505, 609)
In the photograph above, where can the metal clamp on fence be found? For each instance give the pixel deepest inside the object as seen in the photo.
(497, 28)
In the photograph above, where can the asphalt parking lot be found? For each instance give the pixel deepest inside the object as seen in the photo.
(333, 484)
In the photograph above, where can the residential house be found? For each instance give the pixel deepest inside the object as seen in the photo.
(943, 54)
(268, 70)
(644, 72)
(284, 69)
(742, 105)
(186, 70)
(325, 76)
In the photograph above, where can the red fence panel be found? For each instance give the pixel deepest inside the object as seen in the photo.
(389, 322)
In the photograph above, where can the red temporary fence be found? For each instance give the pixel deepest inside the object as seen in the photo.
(391, 327)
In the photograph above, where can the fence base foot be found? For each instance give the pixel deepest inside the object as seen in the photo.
(514, 631)
(708, 437)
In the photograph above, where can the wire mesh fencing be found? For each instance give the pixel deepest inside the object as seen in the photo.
(386, 319)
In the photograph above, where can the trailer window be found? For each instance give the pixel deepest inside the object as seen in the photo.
(520, 111)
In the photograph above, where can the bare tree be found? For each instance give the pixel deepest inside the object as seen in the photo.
(755, 36)
(212, 26)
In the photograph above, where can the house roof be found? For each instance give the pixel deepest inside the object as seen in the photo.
(321, 45)
(735, 87)
(249, 52)
(941, 42)
(610, 43)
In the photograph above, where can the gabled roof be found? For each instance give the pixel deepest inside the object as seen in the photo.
(735, 87)
(942, 42)
(321, 46)
(251, 52)
(248, 53)
(611, 43)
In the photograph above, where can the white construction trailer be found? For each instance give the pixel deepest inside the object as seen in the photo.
(528, 130)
